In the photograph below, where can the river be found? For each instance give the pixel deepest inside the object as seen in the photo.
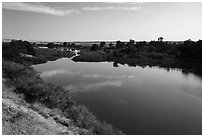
(136, 100)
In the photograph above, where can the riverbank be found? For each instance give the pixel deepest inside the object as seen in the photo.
(26, 82)
(44, 55)
(141, 59)
(22, 118)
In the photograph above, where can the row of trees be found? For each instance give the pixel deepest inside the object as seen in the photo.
(65, 44)
(183, 50)
(180, 50)
(119, 44)
(101, 46)
(96, 47)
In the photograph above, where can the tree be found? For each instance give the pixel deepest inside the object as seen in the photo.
(73, 44)
(64, 44)
(51, 45)
(102, 44)
(10, 51)
(120, 45)
(110, 45)
(131, 42)
(15, 47)
(160, 39)
(29, 47)
(94, 47)
(115, 64)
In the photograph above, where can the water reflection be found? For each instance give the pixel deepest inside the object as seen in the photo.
(137, 100)
(115, 64)
(82, 87)
(52, 73)
(108, 76)
(183, 66)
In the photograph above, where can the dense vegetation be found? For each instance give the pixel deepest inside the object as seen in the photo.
(34, 89)
(187, 50)
(13, 49)
(153, 53)
(19, 51)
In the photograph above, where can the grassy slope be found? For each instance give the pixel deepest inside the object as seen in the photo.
(19, 117)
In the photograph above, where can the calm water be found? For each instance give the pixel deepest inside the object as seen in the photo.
(134, 99)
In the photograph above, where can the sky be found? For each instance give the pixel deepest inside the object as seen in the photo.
(89, 21)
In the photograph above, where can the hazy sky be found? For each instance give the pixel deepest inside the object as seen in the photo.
(102, 21)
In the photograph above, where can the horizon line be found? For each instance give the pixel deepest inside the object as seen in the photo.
(88, 40)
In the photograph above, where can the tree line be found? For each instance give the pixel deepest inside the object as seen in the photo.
(175, 50)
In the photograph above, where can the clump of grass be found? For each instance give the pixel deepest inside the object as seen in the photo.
(41, 109)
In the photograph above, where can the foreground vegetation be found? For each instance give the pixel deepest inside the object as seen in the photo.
(20, 117)
(28, 83)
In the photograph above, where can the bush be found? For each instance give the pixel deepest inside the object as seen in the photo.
(83, 118)
(156, 55)
(14, 70)
(94, 47)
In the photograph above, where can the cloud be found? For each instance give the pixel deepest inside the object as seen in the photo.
(36, 8)
(51, 73)
(91, 87)
(111, 8)
(126, 3)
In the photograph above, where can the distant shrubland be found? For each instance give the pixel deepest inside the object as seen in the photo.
(154, 53)
(186, 50)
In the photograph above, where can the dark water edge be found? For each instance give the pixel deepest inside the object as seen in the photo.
(186, 66)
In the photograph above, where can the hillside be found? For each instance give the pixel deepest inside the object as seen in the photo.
(19, 117)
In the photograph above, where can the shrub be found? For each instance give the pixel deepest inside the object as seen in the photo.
(14, 70)
(156, 55)
(94, 47)
(83, 118)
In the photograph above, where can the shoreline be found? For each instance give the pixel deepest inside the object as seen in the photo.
(182, 64)
(27, 82)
